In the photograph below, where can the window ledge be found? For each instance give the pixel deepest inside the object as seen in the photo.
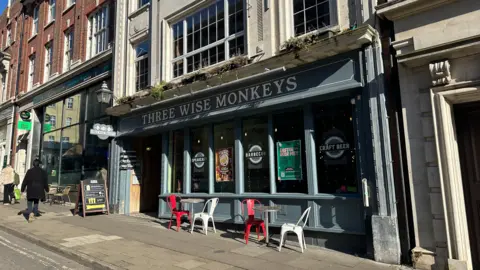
(68, 8)
(50, 23)
(54, 75)
(32, 37)
(139, 11)
(7, 46)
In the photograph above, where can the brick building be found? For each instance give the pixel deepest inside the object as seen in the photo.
(65, 58)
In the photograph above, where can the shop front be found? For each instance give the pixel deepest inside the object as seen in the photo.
(294, 137)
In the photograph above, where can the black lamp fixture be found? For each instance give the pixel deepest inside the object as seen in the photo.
(104, 94)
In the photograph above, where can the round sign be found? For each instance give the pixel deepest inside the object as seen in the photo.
(199, 160)
(25, 115)
(255, 154)
(334, 147)
(224, 159)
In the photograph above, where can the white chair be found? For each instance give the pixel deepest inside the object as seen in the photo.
(298, 230)
(206, 216)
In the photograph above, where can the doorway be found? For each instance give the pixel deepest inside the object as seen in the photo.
(468, 136)
(145, 178)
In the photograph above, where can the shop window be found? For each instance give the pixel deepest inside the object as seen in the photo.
(310, 15)
(72, 154)
(177, 147)
(335, 143)
(51, 155)
(224, 145)
(96, 152)
(52, 113)
(141, 65)
(255, 145)
(74, 109)
(290, 163)
(199, 156)
(207, 37)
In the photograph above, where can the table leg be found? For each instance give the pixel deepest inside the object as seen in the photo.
(266, 228)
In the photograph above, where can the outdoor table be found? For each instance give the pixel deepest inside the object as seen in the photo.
(192, 201)
(267, 209)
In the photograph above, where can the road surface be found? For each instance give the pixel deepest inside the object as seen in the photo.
(19, 254)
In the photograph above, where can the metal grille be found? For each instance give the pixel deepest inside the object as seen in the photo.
(260, 19)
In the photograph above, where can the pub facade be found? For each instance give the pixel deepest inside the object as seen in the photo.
(289, 127)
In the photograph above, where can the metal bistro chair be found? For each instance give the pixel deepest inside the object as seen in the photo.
(206, 216)
(62, 195)
(297, 229)
(52, 190)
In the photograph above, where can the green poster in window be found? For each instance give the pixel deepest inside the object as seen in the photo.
(289, 160)
(47, 127)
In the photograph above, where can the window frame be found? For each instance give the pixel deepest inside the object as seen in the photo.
(332, 14)
(183, 59)
(31, 71)
(101, 14)
(36, 11)
(52, 5)
(68, 121)
(9, 36)
(142, 3)
(137, 61)
(69, 103)
(68, 49)
(54, 122)
(48, 60)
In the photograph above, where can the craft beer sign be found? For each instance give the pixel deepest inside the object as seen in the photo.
(225, 100)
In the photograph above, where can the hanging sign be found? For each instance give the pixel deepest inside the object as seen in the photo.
(25, 115)
(198, 161)
(224, 165)
(255, 156)
(92, 197)
(289, 160)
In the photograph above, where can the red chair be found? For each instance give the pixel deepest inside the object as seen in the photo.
(172, 203)
(251, 220)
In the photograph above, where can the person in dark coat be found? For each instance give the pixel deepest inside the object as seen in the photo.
(36, 184)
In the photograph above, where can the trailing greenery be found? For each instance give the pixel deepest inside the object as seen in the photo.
(295, 44)
(157, 91)
(126, 100)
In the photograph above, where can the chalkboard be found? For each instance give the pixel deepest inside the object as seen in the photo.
(92, 197)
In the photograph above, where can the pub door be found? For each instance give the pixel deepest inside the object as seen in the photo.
(468, 136)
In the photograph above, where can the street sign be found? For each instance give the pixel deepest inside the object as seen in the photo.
(103, 131)
(24, 125)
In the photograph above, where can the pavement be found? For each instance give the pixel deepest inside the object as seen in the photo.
(126, 242)
(18, 254)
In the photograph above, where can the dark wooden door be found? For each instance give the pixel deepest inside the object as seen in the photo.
(467, 119)
(151, 173)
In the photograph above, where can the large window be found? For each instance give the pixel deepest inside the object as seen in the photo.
(141, 65)
(255, 145)
(48, 61)
(176, 145)
(69, 152)
(207, 36)
(51, 10)
(289, 137)
(224, 145)
(199, 155)
(310, 15)
(335, 142)
(31, 71)
(35, 21)
(68, 50)
(98, 38)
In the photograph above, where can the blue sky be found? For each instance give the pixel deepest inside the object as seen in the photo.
(3, 5)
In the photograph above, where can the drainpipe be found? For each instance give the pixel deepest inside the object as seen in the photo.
(19, 64)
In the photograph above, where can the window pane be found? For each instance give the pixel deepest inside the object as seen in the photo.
(335, 141)
(178, 68)
(199, 155)
(196, 40)
(53, 114)
(220, 10)
(176, 144)
(51, 155)
(204, 37)
(190, 43)
(142, 49)
(212, 14)
(72, 154)
(224, 144)
(239, 22)
(255, 144)
(96, 152)
(314, 15)
(212, 33)
(237, 47)
(221, 29)
(74, 108)
(288, 130)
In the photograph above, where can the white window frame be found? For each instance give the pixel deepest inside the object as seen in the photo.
(68, 121)
(35, 20)
(68, 49)
(69, 3)
(51, 10)
(4, 86)
(142, 3)
(48, 61)
(14, 37)
(31, 71)
(53, 120)
(69, 102)
(225, 40)
(138, 60)
(9, 36)
(288, 11)
(51, 138)
(65, 139)
(98, 34)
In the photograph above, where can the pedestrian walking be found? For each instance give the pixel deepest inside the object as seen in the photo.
(36, 184)
(7, 179)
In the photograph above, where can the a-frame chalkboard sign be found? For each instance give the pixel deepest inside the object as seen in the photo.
(92, 198)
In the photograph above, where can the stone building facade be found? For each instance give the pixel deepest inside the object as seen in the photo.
(437, 49)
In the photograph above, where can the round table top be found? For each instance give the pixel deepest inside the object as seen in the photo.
(192, 200)
(266, 208)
